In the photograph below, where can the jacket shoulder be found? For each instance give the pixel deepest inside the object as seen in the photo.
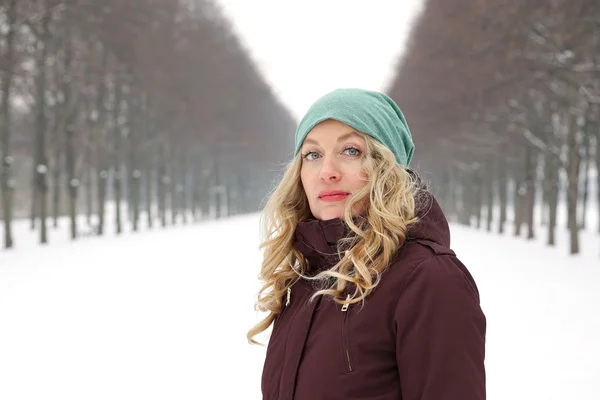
(422, 254)
(415, 252)
(438, 262)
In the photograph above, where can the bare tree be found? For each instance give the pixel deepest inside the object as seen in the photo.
(6, 82)
(522, 77)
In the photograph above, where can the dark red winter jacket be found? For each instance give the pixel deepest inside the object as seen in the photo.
(419, 336)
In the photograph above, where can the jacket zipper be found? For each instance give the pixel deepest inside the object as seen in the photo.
(345, 346)
(288, 301)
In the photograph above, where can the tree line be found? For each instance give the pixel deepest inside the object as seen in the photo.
(153, 105)
(504, 102)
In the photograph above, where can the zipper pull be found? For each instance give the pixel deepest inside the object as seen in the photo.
(346, 304)
(289, 295)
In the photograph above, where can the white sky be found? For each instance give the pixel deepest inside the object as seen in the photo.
(307, 48)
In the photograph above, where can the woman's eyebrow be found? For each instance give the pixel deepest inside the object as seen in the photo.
(347, 135)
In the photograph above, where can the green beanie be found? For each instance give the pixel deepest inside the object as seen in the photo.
(369, 112)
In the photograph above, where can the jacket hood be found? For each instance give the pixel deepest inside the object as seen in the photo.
(317, 239)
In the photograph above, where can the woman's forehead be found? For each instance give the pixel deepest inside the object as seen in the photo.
(337, 131)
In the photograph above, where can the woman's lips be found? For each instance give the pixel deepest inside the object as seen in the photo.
(333, 195)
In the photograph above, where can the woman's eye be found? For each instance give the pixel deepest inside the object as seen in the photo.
(310, 155)
(352, 151)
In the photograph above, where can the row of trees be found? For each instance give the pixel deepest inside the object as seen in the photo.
(503, 98)
(151, 102)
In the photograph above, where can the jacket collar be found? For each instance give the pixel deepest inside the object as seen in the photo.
(317, 239)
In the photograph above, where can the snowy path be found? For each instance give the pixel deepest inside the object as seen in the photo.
(163, 315)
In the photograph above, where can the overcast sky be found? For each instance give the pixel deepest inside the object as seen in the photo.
(307, 48)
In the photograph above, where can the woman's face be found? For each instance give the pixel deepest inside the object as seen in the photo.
(331, 172)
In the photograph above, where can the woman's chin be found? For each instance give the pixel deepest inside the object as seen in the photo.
(331, 214)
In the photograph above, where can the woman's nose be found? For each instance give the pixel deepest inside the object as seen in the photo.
(330, 172)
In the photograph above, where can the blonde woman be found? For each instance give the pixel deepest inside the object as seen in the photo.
(366, 298)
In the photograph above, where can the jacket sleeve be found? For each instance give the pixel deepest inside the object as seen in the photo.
(440, 333)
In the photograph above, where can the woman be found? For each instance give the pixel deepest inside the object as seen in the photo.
(366, 297)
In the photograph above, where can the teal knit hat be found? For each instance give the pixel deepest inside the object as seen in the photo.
(369, 112)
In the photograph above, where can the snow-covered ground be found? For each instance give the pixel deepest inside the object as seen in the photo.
(163, 314)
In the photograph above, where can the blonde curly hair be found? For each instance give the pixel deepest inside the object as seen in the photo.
(378, 233)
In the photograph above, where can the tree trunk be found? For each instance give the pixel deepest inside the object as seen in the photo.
(7, 185)
(183, 188)
(134, 172)
(200, 203)
(529, 199)
(56, 176)
(102, 165)
(478, 189)
(162, 182)
(72, 183)
(117, 159)
(544, 193)
(174, 185)
(489, 184)
(231, 195)
(193, 188)
(41, 164)
(518, 203)
(573, 143)
(502, 195)
(90, 155)
(129, 162)
(551, 183)
(546, 185)
(218, 190)
(88, 178)
(101, 191)
(206, 190)
(34, 201)
(57, 131)
(149, 193)
(586, 180)
(135, 198)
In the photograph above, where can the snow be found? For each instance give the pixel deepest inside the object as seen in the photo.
(163, 314)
